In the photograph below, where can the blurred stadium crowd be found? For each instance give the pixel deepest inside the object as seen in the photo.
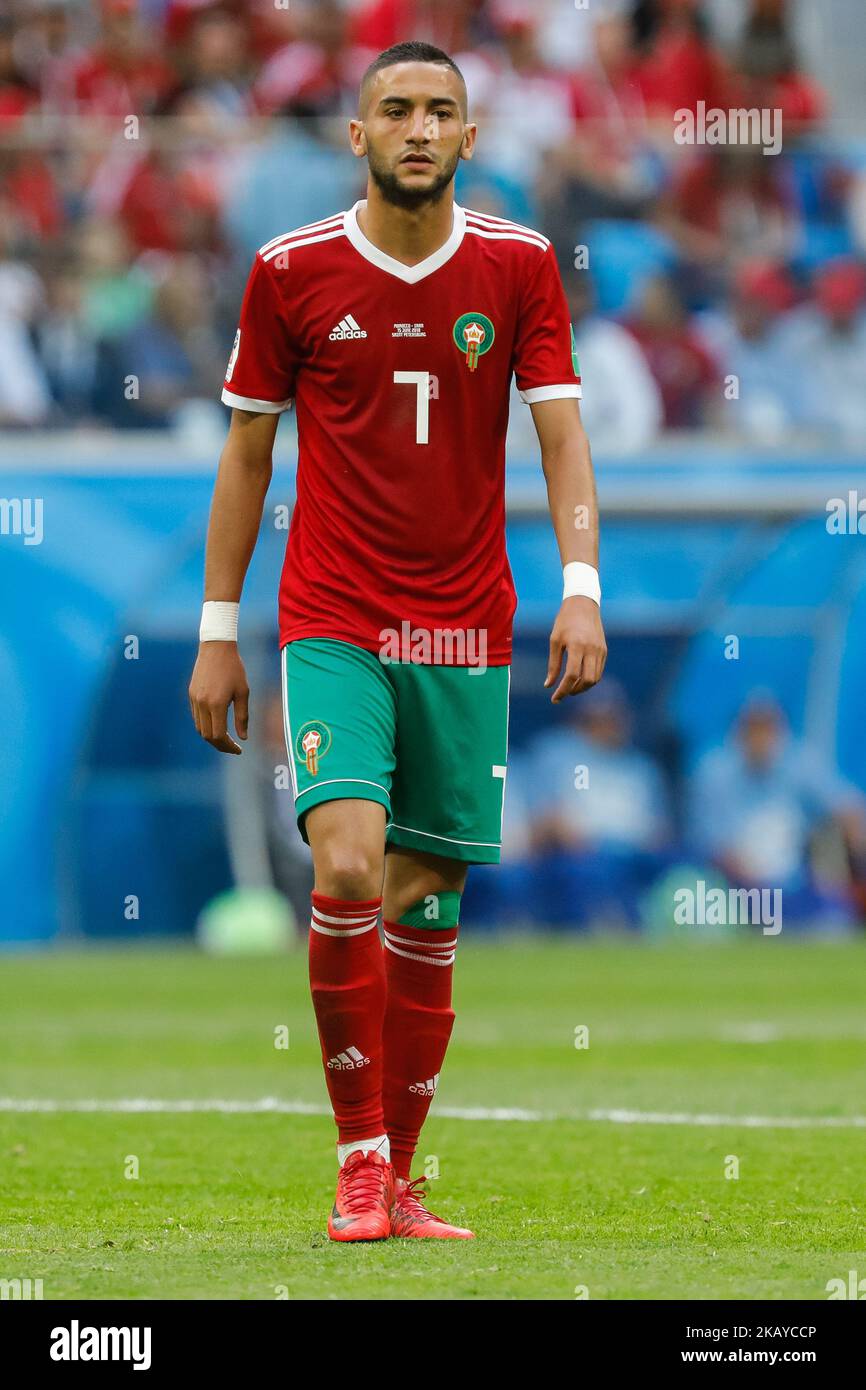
(148, 147)
(597, 832)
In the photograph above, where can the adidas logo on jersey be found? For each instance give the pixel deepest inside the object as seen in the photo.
(348, 1060)
(425, 1088)
(347, 328)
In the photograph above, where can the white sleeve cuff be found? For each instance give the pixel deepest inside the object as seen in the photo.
(570, 390)
(248, 403)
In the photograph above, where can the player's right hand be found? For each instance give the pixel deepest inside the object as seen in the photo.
(219, 680)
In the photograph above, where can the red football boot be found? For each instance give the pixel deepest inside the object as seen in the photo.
(365, 1193)
(410, 1218)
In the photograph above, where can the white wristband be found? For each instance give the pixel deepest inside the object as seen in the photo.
(581, 581)
(219, 622)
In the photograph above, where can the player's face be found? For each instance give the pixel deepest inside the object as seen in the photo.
(414, 133)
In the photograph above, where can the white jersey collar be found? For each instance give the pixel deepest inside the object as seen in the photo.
(408, 273)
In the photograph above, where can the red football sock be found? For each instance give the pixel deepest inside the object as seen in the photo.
(347, 980)
(418, 1020)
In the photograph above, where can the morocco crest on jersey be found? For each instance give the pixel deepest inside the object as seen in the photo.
(473, 334)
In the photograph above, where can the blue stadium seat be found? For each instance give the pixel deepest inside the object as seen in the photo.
(623, 256)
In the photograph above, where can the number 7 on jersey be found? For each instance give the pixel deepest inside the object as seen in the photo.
(421, 382)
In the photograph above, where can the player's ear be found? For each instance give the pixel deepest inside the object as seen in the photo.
(358, 138)
(467, 149)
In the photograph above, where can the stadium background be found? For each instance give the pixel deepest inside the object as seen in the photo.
(148, 149)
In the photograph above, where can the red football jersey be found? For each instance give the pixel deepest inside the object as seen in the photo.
(401, 377)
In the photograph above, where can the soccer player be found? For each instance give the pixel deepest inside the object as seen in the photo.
(395, 327)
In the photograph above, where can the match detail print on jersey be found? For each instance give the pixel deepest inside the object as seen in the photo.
(400, 377)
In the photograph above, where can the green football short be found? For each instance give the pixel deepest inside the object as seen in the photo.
(429, 743)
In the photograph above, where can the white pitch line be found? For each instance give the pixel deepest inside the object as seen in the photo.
(650, 1117)
(270, 1105)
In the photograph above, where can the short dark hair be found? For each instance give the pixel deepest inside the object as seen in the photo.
(413, 51)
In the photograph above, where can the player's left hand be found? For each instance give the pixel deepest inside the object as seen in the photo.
(578, 633)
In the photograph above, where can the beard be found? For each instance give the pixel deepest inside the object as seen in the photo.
(396, 193)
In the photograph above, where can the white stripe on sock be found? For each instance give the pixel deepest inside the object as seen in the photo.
(346, 931)
(431, 946)
(426, 960)
(350, 918)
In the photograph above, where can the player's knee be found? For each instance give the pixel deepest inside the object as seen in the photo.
(352, 873)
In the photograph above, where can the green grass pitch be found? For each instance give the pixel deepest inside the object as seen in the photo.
(574, 1198)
